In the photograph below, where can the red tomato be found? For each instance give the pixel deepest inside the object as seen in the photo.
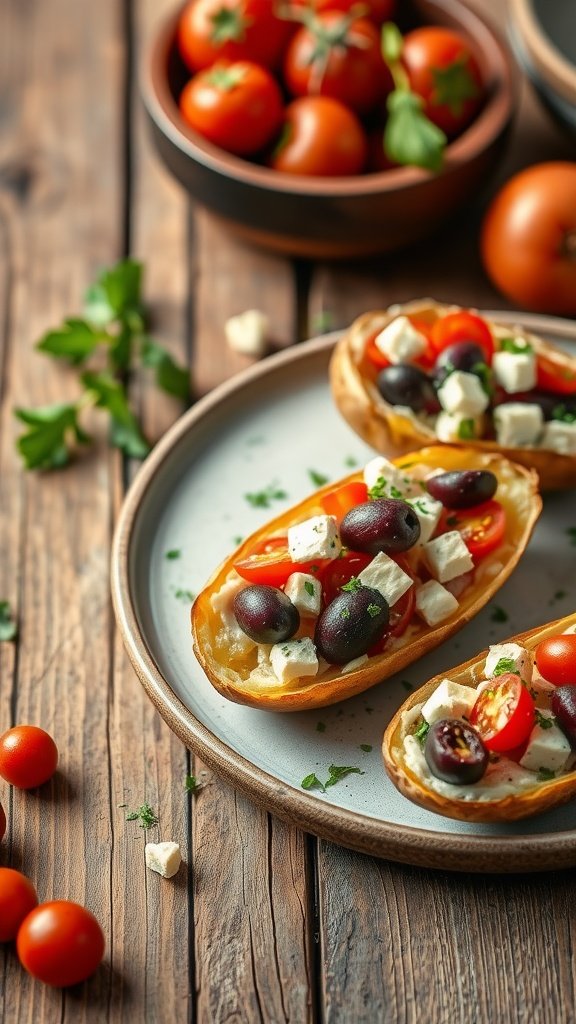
(236, 106)
(233, 29)
(461, 326)
(442, 70)
(2, 823)
(17, 898)
(377, 11)
(504, 714)
(555, 376)
(320, 137)
(556, 659)
(340, 501)
(482, 527)
(269, 562)
(528, 240)
(28, 756)
(332, 56)
(60, 943)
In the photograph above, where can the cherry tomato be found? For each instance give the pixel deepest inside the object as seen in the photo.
(60, 943)
(442, 70)
(28, 756)
(236, 106)
(555, 376)
(337, 503)
(320, 137)
(504, 713)
(333, 56)
(556, 659)
(2, 823)
(269, 562)
(528, 240)
(482, 527)
(461, 326)
(377, 11)
(233, 29)
(17, 898)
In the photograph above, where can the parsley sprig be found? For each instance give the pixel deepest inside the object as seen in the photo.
(144, 815)
(107, 342)
(8, 627)
(335, 774)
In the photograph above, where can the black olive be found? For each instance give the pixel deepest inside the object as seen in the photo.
(463, 488)
(462, 355)
(351, 624)
(563, 704)
(455, 753)
(384, 524)
(404, 384)
(265, 614)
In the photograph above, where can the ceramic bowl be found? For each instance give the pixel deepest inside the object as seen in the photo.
(543, 36)
(333, 217)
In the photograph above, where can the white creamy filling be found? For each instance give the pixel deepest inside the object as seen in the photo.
(502, 778)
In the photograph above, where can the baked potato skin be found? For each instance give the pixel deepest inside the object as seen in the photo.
(391, 434)
(543, 797)
(518, 491)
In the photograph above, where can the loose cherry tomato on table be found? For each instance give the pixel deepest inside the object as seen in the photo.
(556, 659)
(528, 240)
(233, 29)
(320, 137)
(337, 503)
(269, 562)
(443, 71)
(461, 326)
(237, 106)
(482, 527)
(28, 756)
(504, 714)
(336, 55)
(60, 943)
(17, 898)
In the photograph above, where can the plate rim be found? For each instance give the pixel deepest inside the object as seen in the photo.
(405, 844)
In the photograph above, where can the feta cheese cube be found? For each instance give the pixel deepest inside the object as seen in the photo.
(428, 511)
(518, 423)
(386, 576)
(305, 591)
(434, 603)
(518, 660)
(447, 556)
(547, 747)
(449, 700)
(400, 342)
(379, 472)
(248, 332)
(456, 427)
(463, 393)
(559, 437)
(515, 371)
(294, 658)
(165, 858)
(317, 537)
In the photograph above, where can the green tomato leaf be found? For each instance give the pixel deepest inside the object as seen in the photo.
(8, 628)
(52, 431)
(454, 85)
(75, 341)
(409, 137)
(170, 377)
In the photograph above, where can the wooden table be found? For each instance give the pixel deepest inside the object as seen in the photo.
(264, 923)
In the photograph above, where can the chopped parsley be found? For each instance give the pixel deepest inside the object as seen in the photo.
(378, 490)
(312, 782)
(320, 726)
(366, 747)
(237, 539)
(374, 610)
(499, 614)
(173, 554)
(145, 816)
(369, 710)
(543, 721)
(335, 774)
(309, 587)
(354, 583)
(560, 595)
(8, 627)
(184, 595)
(351, 461)
(345, 613)
(545, 775)
(564, 414)
(466, 431)
(421, 732)
(319, 479)
(191, 784)
(517, 346)
(505, 665)
(419, 504)
(452, 521)
(482, 371)
(571, 531)
(263, 498)
(322, 321)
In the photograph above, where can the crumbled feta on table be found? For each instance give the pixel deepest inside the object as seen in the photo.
(164, 858)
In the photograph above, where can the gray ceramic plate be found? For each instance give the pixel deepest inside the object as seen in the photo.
(274, 427)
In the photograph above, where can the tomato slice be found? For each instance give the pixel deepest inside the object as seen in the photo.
(341, 570)
(337, 503)
(504, 713)
(461, 326)
(482, 527)
(561, 380)
(269, 562)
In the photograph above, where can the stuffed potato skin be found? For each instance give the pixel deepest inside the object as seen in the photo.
(518, 492)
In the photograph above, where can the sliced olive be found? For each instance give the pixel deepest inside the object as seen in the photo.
(351, 624)
(563, 704)
(455, 753)
(463, 488)
(265, 614)
(384, 524)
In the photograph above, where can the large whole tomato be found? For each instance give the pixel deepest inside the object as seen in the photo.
(334, 55)
(237, 106)
(442, 70)
(233, 29)
(528, 239)
(321, 137)
(61, 943)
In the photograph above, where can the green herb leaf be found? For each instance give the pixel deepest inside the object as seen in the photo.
(484, 374)
(75, 341)
(312, 782)
(116, 295)
(366, 747)
(452, 521)
(322, 321)
(264, 498)
(125, 429)
(378, 490)
(8, 627)
(52, 430)
(185, 595)
(409, 137)
(571, 531)
(173, 554)
(546, 775)
(320, 727)
(563, 414)
(466, 430)
(421, 732)
(338, 772)
(505, 665)
(407, 685)
(191, 784)
(170, 377)
(374, 610)
(517, 346)
(345, 613)
(354, 583)
(543, 721)
(318, 479)
(351, 461)
(145, 816)
(499, 614)
(309, 587)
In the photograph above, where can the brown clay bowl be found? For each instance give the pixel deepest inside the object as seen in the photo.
(333, 217)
